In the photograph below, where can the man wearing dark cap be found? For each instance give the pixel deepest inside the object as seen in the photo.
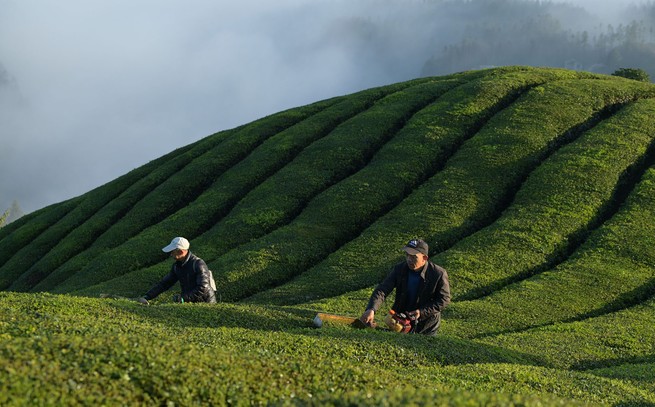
(195, 278)
(422, 291)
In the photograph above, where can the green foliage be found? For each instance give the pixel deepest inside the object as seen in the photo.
(67, 350)
(174, 187)
(80, 227)
(643, 372)
(325, 162)
(97, 233)
(610, 271)
(347, 208)
(534, 188)
(19, 234)
(632, 73)
(570, 192)
(614, 339)
(232, 184)
(469, 192)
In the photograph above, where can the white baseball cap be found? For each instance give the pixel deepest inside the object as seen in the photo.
(177, 243)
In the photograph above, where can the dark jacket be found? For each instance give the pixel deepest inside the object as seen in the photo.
(433, 291)
(194, 277)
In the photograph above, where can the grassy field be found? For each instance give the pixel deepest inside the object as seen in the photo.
(534, 187)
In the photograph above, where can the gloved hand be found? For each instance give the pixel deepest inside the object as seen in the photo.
(143, 301)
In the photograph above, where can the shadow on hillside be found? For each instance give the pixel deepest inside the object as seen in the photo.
(442, 349)
(639, 295)
(445, 350)
(226, 315)
(613, 363)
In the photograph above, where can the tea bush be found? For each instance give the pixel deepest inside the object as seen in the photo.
(67, 350)
(89, 237)
(613, 338)
(88, 205)
(175, 193)
(346, 208)
(326, 162)
(533, 186)
(21, 233)
(473, 188)
(237, 182)
(39, 221)
(613, 269)
(81, 237)
(571, 192)
(232, 185)
(9, 229)
(638, 373)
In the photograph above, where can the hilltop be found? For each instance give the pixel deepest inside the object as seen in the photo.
(533, 186)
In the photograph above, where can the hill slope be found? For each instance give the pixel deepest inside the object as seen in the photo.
(534, 188)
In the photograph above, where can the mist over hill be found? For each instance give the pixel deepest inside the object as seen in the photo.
(89, 92)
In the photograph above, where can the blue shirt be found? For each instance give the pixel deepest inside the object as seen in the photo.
(413, 281)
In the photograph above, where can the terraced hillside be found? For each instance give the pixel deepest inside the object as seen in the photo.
(534, 187)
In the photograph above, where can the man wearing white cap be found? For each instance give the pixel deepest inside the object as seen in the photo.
(195, 278)
(422, 292)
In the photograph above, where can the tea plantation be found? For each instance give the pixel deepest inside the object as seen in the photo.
(535, 188)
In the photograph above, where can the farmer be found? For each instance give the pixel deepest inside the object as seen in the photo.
(195, 279)
(422, 292)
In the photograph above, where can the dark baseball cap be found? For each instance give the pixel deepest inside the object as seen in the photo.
(416, 246)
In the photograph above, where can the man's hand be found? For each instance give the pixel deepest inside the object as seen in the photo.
(416, 314)
(143, 301)
(367, 317)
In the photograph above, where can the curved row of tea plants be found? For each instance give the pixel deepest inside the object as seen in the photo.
(228, 145)
(344, 210)
(613, 269)
(504, 152)
(572, 192)
(403, 156)
(473, 188)
(42, 218)
(29, 228)
(640, 373)
(23, 231)
(324, 163)
(67, 350)
(254, 158)
(614, 339)
(104, 215)
(327, 133)
(99, 264)
(86, 208)
(87, 237)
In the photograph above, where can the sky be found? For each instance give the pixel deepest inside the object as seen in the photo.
(91, 89)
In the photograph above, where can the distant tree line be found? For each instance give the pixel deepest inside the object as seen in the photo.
(438, 37)
(538, 37)
(3, 218)
(11, 214)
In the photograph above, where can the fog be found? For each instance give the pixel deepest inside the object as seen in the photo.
(92, 89)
